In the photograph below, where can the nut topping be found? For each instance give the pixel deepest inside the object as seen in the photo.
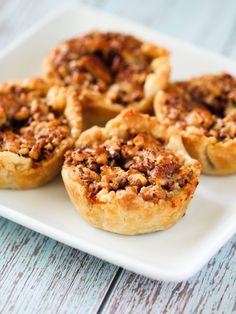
(28, 125)
(111, 63)
(208, 103)
(140, 162)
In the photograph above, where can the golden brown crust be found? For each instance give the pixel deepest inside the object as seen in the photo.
(125, 178)
(112, 71)
(204, 109)
(217, 158)
(38, 123)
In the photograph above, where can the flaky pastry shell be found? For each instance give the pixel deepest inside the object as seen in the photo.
(203, 109)
(112, 71)
(38, 124)
(123, 178)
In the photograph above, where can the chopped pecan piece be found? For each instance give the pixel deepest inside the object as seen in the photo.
(96, 67)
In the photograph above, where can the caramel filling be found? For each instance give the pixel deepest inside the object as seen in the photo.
(28, 125)
(110, 63)
(140, 164)
(208, 103)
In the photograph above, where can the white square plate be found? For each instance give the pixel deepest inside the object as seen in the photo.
(174, 254)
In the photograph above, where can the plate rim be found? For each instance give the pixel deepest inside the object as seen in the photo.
(79, 243)
(118, 259)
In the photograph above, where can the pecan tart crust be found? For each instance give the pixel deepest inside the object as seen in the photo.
(112, 71)
(37, 124)
(204, 109)
(126, 178)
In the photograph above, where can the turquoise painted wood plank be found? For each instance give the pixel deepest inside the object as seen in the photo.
(211, 23)
(213, 290)
(196, 21)
(61, 279)
(40, 275)
(206, 23)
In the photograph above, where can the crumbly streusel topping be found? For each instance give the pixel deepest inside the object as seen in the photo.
(204, 102)
(141, 163)
(105, 62)
(28, 125)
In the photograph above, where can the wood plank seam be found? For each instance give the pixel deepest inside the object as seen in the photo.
(110, 290)
(229, 49)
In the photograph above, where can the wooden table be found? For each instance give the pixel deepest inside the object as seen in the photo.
(40, 275)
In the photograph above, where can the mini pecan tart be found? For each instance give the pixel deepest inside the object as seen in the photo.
(126, 178)
(112, 71)
(37, 125)
(204, 109)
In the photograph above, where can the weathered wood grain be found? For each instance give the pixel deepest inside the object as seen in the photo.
(40, 275)
(213, 290)
(210, 24)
